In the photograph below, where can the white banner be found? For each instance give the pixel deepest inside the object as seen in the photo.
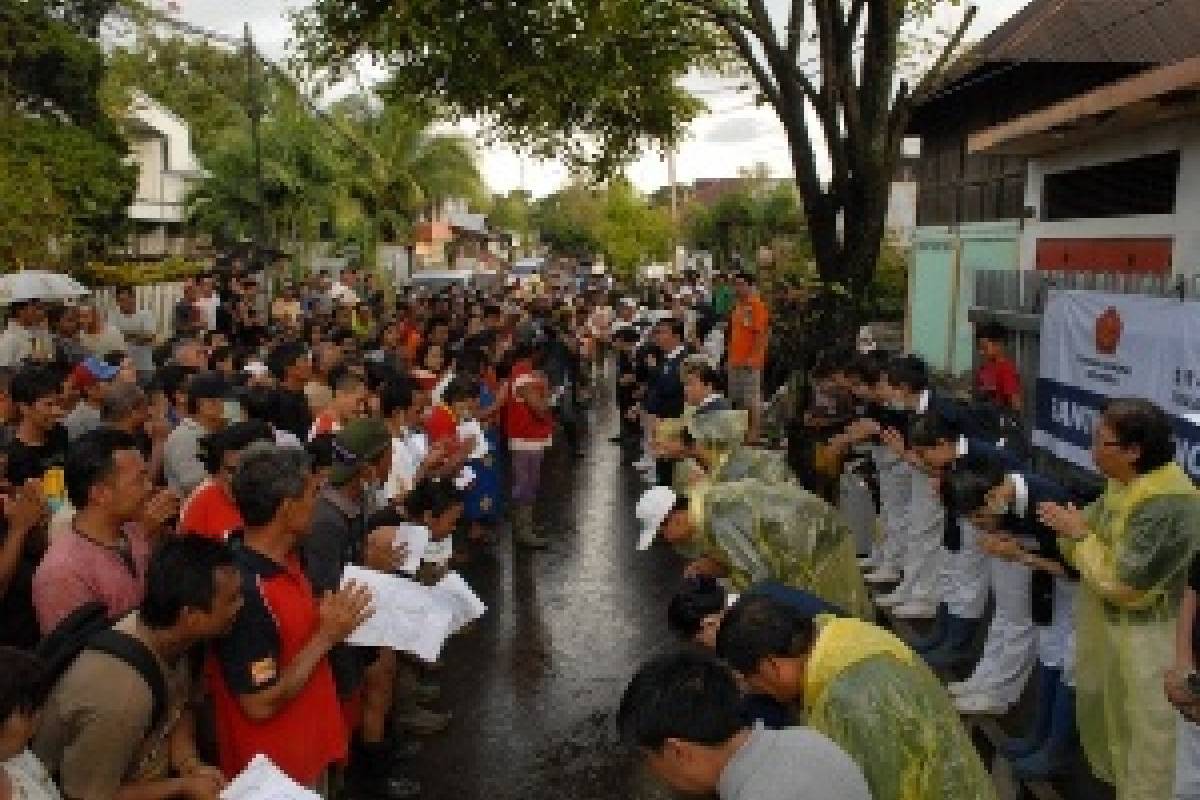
(1096, 346)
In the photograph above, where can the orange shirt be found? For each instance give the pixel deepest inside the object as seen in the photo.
(748, 328)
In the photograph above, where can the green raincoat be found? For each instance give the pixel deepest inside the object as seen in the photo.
(778, 532)
(867, 691)
(1133, 570)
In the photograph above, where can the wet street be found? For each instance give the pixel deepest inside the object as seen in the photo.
(533, 687)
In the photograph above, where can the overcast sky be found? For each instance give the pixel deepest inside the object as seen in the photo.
(733, 135)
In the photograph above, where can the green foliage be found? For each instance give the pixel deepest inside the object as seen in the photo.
(597, 81)
(747, 218)
(632, 233)
(203, 84)
(614, 222)
(590, 81)
(568, 221)
(63, 184)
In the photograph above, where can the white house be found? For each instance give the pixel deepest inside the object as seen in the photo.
(1113, 175)
(160, 143)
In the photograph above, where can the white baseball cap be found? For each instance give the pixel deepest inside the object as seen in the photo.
(652, 508)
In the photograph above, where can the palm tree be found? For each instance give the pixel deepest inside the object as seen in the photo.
(401, 169)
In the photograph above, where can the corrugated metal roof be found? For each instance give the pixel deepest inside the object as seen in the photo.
(1096, 31)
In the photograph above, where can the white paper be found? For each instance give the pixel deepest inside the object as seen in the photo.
(471, 429)
(408, 616)
(464, 479)
(262, 780)
(440, 551)
(461, 598)
(416, 539)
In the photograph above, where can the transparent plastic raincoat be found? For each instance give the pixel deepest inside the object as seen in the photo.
(779, 532)
(1133, 570)
(868, 692)
(719, 435)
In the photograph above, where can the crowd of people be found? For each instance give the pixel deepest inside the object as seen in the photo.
(179, 509)
(1003, 581)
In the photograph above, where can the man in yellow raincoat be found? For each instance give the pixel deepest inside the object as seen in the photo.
(1132, 548)
(864, 689)
(751, 531)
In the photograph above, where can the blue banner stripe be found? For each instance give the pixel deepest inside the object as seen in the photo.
(1068, 414)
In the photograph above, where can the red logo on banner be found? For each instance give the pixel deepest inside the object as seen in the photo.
(1108, 331)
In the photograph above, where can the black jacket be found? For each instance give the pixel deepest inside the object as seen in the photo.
(664, 386)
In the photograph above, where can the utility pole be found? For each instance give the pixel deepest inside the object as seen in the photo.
(254, 109)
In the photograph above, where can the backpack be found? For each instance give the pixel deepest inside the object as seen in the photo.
(89, 628)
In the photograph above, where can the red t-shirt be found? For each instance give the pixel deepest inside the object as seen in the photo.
(1000, 382)
(441, 425)
(210, 511)
(522, 424)
(276, 621)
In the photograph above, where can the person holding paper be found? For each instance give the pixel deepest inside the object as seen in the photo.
(482, 499)
(339, 537)
(270, 676)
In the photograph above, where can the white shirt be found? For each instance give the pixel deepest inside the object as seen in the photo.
(923, 402)
(18, 343)
(408, 453)
(139, 323)
(209, 306)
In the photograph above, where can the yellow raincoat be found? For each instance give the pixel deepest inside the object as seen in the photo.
(867, 691)
(1133, 570)
(777, 532)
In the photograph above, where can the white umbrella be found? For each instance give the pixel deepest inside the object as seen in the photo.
(36, 284)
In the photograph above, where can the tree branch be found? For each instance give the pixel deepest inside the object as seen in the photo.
(770, 89)
(721, 11)
(948, 51)
(795, 37)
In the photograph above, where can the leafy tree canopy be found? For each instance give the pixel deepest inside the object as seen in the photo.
(65, 186)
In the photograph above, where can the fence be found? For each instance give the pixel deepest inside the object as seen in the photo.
(158, 298)
(1016, 299)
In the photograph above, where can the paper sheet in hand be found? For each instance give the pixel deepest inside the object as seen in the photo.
(416, 539)
(464, 479)
(471, 429)
(262, 780)
(465, 605)
(408, 616)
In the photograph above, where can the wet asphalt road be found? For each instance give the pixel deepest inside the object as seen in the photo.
(534, 686)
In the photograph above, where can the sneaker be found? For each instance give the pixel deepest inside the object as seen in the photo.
(891, 599)
(915, 609)
(980, 703)
(423, 722)
(882, 575)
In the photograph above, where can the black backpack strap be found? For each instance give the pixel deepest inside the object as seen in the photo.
(133, 652)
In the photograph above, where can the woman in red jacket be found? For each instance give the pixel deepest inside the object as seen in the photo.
(530, 428)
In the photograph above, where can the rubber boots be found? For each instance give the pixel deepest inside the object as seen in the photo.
(955, 649)
(1055, 755)
(1046, 680)
(523, 534)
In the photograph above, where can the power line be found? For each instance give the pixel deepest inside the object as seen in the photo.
(191, 29)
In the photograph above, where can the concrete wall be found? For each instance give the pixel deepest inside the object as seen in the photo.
(1183, 226)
